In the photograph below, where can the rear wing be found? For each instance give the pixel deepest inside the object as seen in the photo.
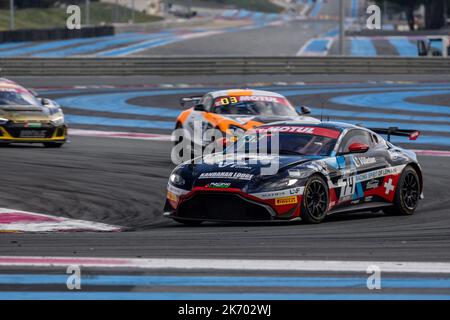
(189, 102)
(395, 131)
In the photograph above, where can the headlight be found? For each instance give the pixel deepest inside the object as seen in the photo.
(275, 184)
(58, 121)
(176, 179)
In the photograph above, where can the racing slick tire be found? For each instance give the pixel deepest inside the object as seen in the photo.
(53, 144)
(407, 194)
(191, 223)
(315, 200)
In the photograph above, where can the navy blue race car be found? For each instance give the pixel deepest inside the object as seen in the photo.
(322, 169)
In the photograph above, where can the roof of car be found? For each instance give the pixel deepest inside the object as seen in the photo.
(244, 92)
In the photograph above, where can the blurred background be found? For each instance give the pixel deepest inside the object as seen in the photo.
(225, 27)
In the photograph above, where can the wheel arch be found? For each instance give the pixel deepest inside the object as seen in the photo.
(418, 170)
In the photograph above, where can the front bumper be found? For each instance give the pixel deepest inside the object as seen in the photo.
(227, 205)
(23, 133)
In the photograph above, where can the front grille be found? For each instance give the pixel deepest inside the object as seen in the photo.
(22, 131)
(222, 206)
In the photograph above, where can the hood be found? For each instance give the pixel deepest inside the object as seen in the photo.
(20, 113)
(230, 173)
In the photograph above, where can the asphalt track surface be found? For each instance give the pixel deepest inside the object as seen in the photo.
(122, 182)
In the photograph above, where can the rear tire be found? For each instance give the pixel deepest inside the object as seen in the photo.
(407, 194)
(53, 144)
(315, 200)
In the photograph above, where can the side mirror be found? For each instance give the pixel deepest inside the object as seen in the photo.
(303, 110)
(199, 107)
(46, 102)
(189, 102)
(358, 147)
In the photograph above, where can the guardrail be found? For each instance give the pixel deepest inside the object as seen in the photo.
(221, 65)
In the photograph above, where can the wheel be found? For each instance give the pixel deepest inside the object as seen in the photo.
(315, 200)
(53, 144)
(191, 223)
(407, 194)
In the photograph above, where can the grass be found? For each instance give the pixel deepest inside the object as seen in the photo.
(252, 5)
(100, 13)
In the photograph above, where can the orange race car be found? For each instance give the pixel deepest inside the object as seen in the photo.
(236, 111)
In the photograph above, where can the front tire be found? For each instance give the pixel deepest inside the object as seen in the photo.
(407, 194)
(315, 200)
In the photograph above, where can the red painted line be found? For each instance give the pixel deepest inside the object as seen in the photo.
(22, 217)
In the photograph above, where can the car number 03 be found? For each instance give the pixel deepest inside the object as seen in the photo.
(349, 187)
(226, 101)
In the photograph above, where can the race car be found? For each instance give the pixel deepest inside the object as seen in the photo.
(322, 169)
(24, 118)
(235, 111)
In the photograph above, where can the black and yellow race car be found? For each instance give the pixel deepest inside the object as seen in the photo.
(24, 118)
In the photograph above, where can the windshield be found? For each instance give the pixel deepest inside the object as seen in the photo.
(309, 141)
(253, 105)
(16, 97)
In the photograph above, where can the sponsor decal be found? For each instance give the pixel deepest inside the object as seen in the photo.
(226, 175)
(224, 101)
(372, 184)
(318, 131)
(286, 200)
(363, 161)
(218, 185)
(279, 194)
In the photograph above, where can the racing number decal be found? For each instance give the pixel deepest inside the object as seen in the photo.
(227, 101)
(348, 189)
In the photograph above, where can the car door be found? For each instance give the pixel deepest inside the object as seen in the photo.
(358, 168)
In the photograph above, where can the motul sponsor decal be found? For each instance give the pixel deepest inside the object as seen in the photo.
(318, 131)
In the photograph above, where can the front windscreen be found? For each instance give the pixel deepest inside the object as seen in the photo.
(254, 106)
(292, 140)
(16, 97)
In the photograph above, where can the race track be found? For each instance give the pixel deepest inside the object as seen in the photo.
(121, 182)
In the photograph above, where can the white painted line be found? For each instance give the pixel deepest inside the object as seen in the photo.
(22, 221)
(230, 264)
(303, 52)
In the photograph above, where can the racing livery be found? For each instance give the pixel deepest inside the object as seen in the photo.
(236, 111)
(322, 169)
(24, 118)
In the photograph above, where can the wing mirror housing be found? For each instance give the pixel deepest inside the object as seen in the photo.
(199, 107)
(46, 102)
(301, 110)
(358, 147)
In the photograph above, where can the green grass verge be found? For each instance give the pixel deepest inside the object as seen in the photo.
(56, 17)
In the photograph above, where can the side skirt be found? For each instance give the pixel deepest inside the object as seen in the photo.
(362, 207)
